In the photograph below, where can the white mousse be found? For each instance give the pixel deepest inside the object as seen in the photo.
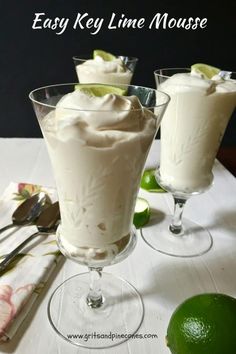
(102, 71)
(192, 128)
(98, 156)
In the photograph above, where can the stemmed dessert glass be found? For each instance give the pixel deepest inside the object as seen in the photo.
(191, 132)
(108, 77)
(97, 189)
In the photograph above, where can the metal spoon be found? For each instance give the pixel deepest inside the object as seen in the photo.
(28, 211)
(47, 224)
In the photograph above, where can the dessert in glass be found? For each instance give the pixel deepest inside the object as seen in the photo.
(105, 68)
(98, 147)
(191, 132)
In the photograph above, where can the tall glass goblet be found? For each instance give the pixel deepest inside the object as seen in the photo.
(191, 132)
(116, 72)
(97, 168)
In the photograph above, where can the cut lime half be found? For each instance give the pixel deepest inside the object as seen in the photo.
(100, 90)
(207, 71)
(104, 55)
(141, 213)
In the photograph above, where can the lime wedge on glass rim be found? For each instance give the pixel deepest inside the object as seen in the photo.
(100, 90)
(141, 213)
(207, 71)
(104, 55)
(149, 183)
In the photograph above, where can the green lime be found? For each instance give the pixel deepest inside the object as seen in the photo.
(100, 90)
(104, 55)
(207, 71)
(141, 213)
(203, 324)
(149, 183)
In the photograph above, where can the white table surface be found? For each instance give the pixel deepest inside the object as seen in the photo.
(163, 281)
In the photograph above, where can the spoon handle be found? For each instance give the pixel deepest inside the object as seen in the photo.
(6, 227)
(13, 253)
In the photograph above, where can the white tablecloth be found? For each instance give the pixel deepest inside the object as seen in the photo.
(163, 281)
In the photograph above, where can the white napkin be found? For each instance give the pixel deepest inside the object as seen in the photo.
(25, 277)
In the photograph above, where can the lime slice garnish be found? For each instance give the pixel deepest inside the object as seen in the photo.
(100, 90)
(207, 71)
(104, 55)
(149, 183)
(141, 213)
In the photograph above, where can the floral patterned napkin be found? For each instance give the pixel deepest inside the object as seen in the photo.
(23, 279)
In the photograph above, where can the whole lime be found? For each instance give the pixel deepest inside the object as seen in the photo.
(149, 183)
(203, 324)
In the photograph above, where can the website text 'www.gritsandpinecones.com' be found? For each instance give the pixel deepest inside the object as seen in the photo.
(111, 336)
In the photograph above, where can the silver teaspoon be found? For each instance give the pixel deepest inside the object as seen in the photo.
(47, 224)
(28, 211)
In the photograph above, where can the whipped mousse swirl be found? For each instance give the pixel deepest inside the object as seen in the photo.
(195, 81)
(101, 121)
(104, 66)
(102, 71)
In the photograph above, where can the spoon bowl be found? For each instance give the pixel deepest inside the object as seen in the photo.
(29, 211)
(47, 224)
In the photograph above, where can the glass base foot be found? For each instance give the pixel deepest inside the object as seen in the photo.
(195, 241)
(120, 315)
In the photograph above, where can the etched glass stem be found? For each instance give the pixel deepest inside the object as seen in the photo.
(95, 298)
(176, 226)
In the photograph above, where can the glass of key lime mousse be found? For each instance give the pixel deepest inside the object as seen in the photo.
(105, 68)
(98, 138)
(203, 99)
